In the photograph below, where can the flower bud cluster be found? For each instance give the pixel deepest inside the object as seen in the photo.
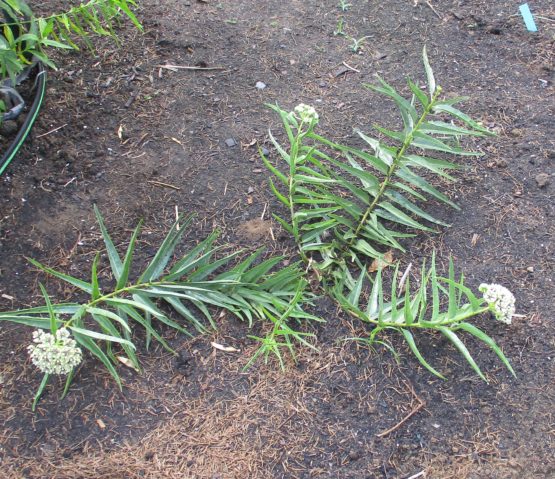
(306, 113)
(500, 300)
(54, 354)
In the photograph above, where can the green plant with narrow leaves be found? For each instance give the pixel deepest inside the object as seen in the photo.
(348, 206)
(357, 43)
(282, 335)
(105, 324)
(25, 37)
(359, 207)
(407, 313)
(339, 29)
(344, 5)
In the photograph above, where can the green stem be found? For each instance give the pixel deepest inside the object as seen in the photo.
(113, 294)
(395, 164)
(457, 319)
(292, 188)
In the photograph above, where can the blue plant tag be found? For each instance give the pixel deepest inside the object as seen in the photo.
(528, 18)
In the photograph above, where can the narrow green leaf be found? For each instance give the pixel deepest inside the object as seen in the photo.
(364, 247)
(108, 314)
(285, 156)
(180, 308)
(418, 93)
(412, 345)
(410, 177)
(435, 165)
(164, 253)
(445, 107)
(126, 266)
(285, 225)
(39, 392)
(274, 170)
(123, 4)
(452, 295)
(95, 294)
(83, 285)
(67, 384)
(409, 312)
(408, 112)
(278, 195)
(140, 301)
(462, 348)
(113, 256)
(51, 313)
(97, 335)
(470, 328)
(412, 208)
(447, 129)
(95, 350)
(199, 256)
(390, 212)
(427, 142)
(134, 315)
(429, 73)
(435, 289)
(354, 295)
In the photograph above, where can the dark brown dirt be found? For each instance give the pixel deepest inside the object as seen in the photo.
(140, 141)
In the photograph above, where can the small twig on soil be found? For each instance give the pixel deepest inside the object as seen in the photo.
(187, 67)
(414, 410)
(351, 68)
(433, 9)
(51, 131)
(419, 474)
(164, 185)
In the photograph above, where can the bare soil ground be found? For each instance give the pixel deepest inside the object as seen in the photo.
(342, 412)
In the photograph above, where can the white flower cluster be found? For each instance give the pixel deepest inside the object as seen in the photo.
(306, 113)
(500, 300)
(54, 354)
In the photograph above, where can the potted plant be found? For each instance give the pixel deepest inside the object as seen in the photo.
(24, 43)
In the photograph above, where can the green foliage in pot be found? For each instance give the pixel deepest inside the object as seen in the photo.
(25, 37)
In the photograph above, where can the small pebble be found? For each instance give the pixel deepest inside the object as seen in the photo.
(260, 85)
(516, 132)
(265, 151)
(230, 142)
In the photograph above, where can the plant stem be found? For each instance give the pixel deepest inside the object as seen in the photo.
(363, 317)
(116, 293)
(395, 164)
(292, 188)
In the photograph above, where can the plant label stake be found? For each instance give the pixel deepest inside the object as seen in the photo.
(528, 18)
